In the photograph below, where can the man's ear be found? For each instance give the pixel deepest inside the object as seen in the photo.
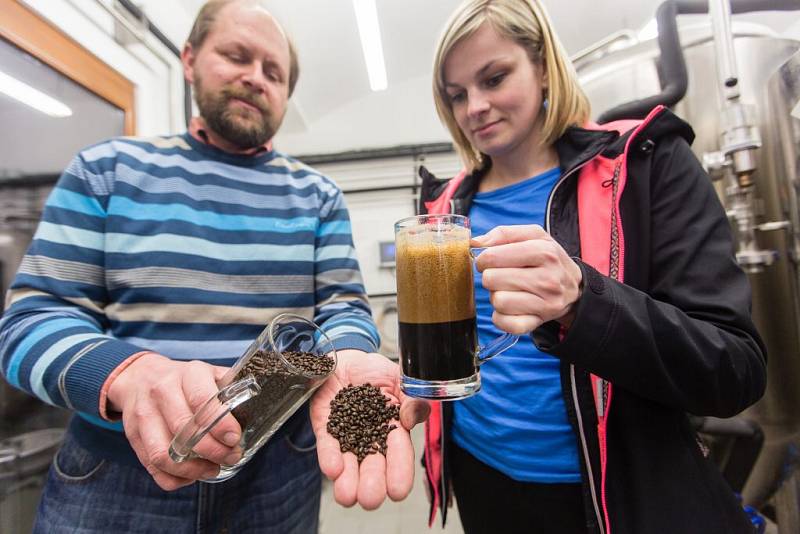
(187, 58)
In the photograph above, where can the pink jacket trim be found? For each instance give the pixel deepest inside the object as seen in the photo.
(596, 204)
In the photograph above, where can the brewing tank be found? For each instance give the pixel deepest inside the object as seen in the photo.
(769, 84)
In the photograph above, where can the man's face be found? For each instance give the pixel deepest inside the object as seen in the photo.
(241, 75)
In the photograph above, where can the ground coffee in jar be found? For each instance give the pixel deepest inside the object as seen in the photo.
(279, 384)
(360, 420)
(271, 380)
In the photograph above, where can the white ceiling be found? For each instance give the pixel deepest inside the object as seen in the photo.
(333, 89)
(332, 65)
(333, 108)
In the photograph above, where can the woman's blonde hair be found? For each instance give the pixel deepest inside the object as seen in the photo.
(526, 23)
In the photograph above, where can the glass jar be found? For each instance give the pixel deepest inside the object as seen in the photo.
(280, 370)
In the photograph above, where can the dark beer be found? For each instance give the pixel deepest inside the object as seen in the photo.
(435, 303)
(438, 351)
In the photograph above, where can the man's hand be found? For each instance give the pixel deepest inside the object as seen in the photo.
(368, 483)
(157, 396)
(530, 277)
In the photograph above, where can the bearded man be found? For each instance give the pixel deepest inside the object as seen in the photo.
(155, 265)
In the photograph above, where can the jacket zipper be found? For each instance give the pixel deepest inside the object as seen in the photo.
(604, 403)
(573, 387)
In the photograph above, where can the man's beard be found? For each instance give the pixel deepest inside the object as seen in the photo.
(231, 124)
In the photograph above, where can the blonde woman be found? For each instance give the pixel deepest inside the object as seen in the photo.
(610, 248)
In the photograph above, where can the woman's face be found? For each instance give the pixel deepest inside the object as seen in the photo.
(495, 92)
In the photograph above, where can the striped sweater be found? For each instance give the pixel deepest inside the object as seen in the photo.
(170, 245)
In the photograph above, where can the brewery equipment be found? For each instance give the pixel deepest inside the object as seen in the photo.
(24, 461)
(30, 431)
(737, 85)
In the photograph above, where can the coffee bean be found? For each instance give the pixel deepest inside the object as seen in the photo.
(359, 420)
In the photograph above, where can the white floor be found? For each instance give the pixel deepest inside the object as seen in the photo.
(407, 517)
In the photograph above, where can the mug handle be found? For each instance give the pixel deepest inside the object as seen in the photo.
(498, 346)
(502, 343)
(209, 414)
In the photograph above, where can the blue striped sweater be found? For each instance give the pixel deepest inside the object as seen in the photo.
(170, 245)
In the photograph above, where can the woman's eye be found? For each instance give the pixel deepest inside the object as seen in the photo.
(457, 97)
(495, 80)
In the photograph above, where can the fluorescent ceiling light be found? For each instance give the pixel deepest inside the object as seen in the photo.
(370, 33)
(32, 97)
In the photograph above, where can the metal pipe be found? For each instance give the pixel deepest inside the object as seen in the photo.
(672, 63)
(672, 69)
(697, 7)
(720, 11)
(134, 10)
(377, 153)
(603, 45)
(158, 34)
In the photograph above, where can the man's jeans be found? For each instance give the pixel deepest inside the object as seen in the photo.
(278, 492)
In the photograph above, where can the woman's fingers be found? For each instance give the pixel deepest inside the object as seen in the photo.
(529, 279)
(532, 253)
(500, 235)
(516, 324)
(518, 303)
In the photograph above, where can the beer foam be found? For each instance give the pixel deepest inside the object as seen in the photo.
(434, 275)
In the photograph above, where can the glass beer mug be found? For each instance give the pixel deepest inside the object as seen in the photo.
(438, 333)
(280, 370)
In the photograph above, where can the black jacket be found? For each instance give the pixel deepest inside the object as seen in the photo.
(675, 338)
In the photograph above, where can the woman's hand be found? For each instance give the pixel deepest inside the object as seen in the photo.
(530, 277)
(377, 475)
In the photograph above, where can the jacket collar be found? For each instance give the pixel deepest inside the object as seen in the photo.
(575, 147)
(579, 145)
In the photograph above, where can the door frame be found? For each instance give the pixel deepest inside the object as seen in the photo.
(35, 35)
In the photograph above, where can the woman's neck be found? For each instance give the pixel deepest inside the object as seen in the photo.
(507, 171)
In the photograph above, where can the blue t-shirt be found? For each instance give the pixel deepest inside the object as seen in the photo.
(517, 423)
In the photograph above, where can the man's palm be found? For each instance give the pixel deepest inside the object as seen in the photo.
(368, 483)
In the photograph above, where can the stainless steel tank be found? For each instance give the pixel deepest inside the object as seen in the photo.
(20, 209)
(30, 430)
(769, 82)
(24, 461)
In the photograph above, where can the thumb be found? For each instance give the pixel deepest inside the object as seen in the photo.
(413, 412)
(219, 372)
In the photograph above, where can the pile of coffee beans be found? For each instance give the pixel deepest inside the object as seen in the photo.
(281, 389)
(360, 418)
